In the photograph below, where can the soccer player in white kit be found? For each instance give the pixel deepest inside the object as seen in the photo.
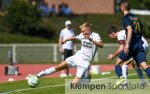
(121, 37)
(81, 60)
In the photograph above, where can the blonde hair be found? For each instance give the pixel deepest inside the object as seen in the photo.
(86, 24)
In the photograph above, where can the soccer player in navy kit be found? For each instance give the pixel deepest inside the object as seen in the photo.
(133, 46)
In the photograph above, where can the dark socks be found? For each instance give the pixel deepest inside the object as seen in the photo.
(147, 70)
(118, 70)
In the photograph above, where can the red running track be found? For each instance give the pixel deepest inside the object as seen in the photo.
(25, 69)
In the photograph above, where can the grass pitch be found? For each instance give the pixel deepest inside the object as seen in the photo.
(50, 85)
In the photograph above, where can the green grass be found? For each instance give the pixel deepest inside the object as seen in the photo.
(49, 85)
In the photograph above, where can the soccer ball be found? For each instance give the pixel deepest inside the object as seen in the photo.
(33, 81)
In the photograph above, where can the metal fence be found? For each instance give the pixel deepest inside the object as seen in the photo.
(22, 53)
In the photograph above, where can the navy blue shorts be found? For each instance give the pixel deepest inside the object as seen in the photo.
(137, 53)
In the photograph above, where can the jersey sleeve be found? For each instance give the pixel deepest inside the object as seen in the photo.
(121, 38)
(126, 22)
(80, 36)
(97, 38)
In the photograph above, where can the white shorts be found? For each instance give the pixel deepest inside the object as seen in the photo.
(79, 62)
(145, 46)
(146, 49)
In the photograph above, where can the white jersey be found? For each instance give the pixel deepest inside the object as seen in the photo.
(88, 48)
(122, 37)
(65, 34)
(82, 58)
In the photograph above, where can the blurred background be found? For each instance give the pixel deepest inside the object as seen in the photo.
(29, 29)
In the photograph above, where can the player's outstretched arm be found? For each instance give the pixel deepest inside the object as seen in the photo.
(116, 53)
(99, 44)
(71, 38)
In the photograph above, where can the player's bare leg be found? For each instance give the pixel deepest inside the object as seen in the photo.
(62, 66)
(144, 65)
(52, 70)
(129, 61)
(76, 80)
(48, 71)
(146, 68)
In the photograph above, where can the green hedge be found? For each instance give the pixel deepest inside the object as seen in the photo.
(100, 24)
(19, 38)
(22, 17)
(140, 4)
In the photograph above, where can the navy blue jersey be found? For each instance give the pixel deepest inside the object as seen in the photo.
(134, 22)
(136, 49)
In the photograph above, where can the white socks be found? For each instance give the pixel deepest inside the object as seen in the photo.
(138, 70)
(46, 72)
(125, 72)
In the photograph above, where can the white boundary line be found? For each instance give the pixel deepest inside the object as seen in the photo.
(20, 90)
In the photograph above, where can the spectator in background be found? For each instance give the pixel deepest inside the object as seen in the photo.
(61, 9)
(66, 48)
(64, 10)
(67, 11)
(117, 6)
(52, 10)
(117, 9)
(118, 1)
(44, 9)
